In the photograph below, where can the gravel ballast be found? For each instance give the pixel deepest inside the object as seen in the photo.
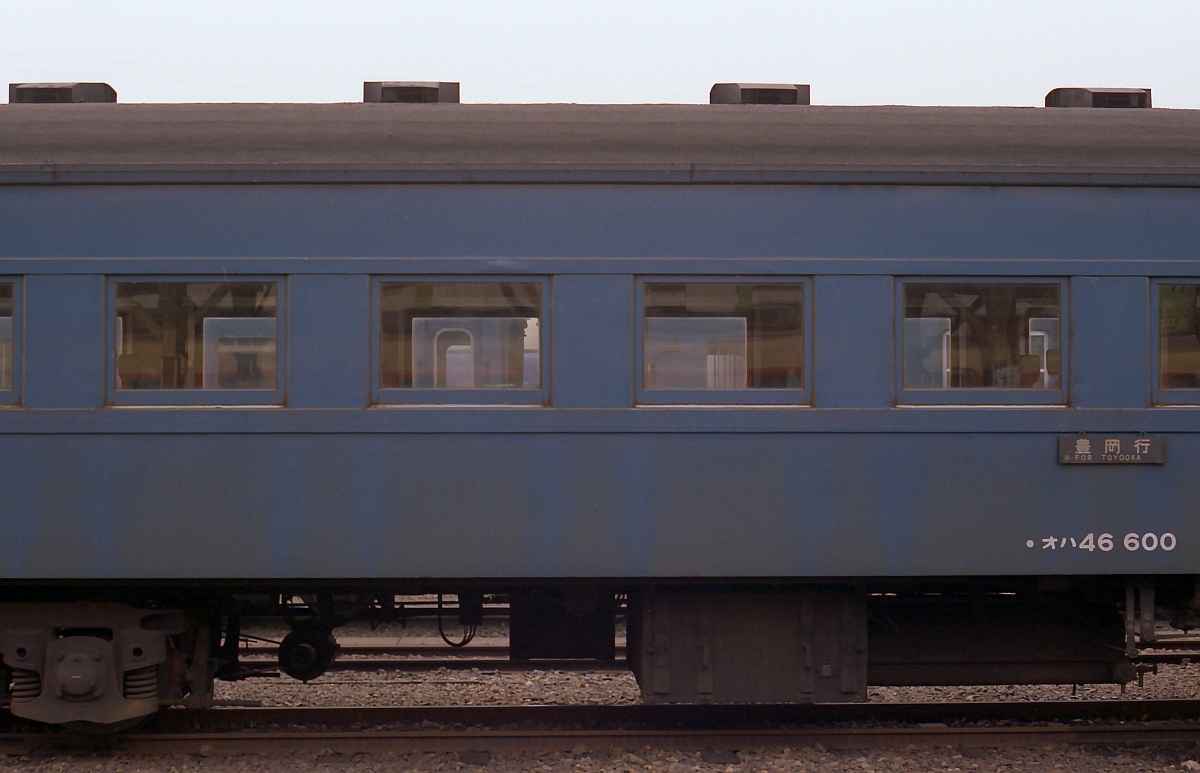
(484, 687)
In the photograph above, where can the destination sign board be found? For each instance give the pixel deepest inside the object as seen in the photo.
(1111, 449)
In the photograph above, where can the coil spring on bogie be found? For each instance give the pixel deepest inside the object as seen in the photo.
(141, 683)
(26, 685)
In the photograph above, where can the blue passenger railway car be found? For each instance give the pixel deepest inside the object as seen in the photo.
(816, 397)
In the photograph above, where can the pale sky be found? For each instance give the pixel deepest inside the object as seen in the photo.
(922, 52)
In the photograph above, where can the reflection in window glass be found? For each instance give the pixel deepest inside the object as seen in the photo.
(6, 336)
(196, 335)
(460, 335)
(712, 335)
(1179, 336)
(982, 335)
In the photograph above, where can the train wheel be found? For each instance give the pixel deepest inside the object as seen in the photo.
(307, 652)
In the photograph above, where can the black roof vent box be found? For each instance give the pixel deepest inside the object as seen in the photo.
(410, 91)
(758, 94)
(60, 93)
(1075, 97)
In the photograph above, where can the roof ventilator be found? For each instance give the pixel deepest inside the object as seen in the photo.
(410, 91)
(1098, 98)
(759, 94)
(60, 93)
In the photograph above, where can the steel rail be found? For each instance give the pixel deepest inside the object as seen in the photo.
(606, 741)
(415, 658)
(608, 728)
(694, 715)
(262, 668)
(400, 650)
(409, 650)
(467, 664)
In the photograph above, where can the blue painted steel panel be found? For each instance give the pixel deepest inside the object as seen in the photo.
(329, 356)
(1110, 342)
(410, 505)
(848, 487)
(592, 341)
(544, 221)
(853, 342)
(64, 347)
(683, 419)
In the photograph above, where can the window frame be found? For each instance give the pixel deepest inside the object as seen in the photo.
(200, 398)
(425, 396)
(800, 397)
(1054, 397)
(1161, 395)
(12, 397)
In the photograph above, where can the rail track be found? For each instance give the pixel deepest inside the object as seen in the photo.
(607, 729)
(360, 663)
(481, 664)
(495, 657)
(433, 655)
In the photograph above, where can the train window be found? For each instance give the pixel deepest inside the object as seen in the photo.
(460, 342)
(7, 340)
(987, 335)
(722, 342)
(1179, 340)
(206, 337)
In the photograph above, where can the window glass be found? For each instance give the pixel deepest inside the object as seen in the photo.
(1179, 336)
(460, 335)
(982, 335)
(6, 336)
(715, 335)
(196, 335)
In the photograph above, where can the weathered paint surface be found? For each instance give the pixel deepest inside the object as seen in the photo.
(607, 504)
(591, 484)
(634, 228)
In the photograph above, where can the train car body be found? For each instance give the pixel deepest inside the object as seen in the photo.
(830, 396)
